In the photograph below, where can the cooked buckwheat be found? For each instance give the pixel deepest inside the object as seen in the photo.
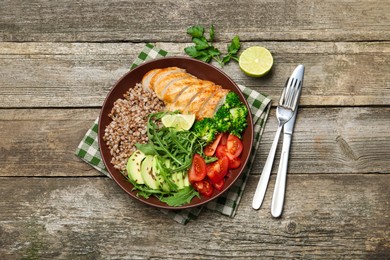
(128, 126)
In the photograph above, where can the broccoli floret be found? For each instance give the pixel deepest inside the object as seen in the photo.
(232, 100)
(231, 116)
(223, 120)
(238, 116)
(205, 129)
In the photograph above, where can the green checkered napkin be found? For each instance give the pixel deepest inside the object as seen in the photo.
(227, 203)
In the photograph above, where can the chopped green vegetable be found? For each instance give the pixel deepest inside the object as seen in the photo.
(231, 116)
(205, 129)
(181, 197)
(238, 116)
(232, 100)
(204, 49)
(223, 120)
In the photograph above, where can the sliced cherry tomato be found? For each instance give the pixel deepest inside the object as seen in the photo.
(204, 187)
(224, 138)
(219, 185)
(234, 163)
(209, 150)
(221, 151)
(224, 165)
(218, 170)
(198, 169)
(234, 146)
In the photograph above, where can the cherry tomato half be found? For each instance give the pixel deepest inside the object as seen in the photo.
(234, 163)
(221, 151)
(198, 169)
(219, 185)
(234, 146)
(218, 170)
(209, 150)
(204, 187)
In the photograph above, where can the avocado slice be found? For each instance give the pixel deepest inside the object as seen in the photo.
(156, 172)
(133, 166)
(186, 181)
(148, 175)
(180, 180)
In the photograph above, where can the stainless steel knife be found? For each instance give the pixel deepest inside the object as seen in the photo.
(280, 184)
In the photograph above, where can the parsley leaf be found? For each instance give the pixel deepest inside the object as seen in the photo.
(204, 49)
(196, 31)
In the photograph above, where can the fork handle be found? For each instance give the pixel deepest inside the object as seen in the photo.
(266, 173)
(280, 183)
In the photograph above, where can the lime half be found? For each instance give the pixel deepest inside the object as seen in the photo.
(256, 61)
(178, 121)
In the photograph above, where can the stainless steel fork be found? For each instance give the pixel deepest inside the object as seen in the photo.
(284, 112)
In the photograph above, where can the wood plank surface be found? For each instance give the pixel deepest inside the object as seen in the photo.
(41, 142)
(81, 74)
(58, 61)
(326, 217)
(156, 20)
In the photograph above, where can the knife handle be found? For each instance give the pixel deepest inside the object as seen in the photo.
(280, 183)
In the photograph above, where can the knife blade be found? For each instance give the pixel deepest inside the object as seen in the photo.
(280, 183)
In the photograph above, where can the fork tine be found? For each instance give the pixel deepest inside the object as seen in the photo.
(281, 101)
(294, 105)
(288, 91)
(292, 92)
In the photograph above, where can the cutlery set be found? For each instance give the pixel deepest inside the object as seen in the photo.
(286, 113)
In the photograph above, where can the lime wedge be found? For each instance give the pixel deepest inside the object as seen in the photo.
(178, 121)
(256, 61)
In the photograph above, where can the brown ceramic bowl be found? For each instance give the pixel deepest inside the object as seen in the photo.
(197, 68)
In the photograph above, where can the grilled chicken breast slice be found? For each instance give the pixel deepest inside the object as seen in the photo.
(175, 89)
(209, 109)
(165, 81)
(199, 100)
(161, 74)
(147, 77)
(187, 96)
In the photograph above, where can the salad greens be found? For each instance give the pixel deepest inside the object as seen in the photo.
(204, 49)
(172, 151)
(169, 144)
(181, 197)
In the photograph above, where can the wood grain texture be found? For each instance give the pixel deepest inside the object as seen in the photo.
(136, 21)
(81, 74)
(325, 217)
(41, 142)
(58, 61)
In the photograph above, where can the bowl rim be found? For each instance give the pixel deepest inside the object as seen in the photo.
(118, 177)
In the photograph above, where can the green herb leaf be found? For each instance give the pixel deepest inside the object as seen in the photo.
(200, 43)
(234, 46)
(205, 51)
(147, 148)
(235, 57)
(192, 51)
(181, 197)
(226, 59)
(212, 33)
(205, 57)
(213, 51)
(196, 31)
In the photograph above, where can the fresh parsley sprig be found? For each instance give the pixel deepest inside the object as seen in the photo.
(205, 51)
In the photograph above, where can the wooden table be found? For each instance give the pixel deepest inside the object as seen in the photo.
(58, 60)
